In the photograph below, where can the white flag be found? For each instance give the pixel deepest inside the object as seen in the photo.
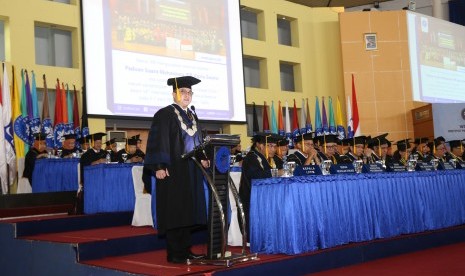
(7, 148)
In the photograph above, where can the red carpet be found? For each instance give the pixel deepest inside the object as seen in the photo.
(445, 260)
(98, 234)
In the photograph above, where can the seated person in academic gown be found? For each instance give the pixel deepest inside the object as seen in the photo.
(256, 164)
(84, 142)
(402, 154)
(329, 152)
(69, 146)
(94, 155)
(37, 151)
(281, 153)
(132, 155)
(378, 148)
(110, 146)
(456, 150)
(139, 151)
(439, 150)
(421, 149)
(305, 152)
(356, 150)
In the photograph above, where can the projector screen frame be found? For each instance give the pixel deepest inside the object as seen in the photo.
(109, 83)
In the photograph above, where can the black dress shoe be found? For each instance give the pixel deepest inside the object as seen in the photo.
(176, 260)
(193, 256)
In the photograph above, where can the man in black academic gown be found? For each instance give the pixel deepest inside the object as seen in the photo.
(37, 151)
(256, 164)
(139, 151)
(180, 196)
(329, 146)
(69, 149)
(132, 156)
(110, 146)
(282, 147)
(356, 148)
(402, 154)
(305, 153)
(378, 148)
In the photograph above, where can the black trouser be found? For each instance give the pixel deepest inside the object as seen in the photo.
(178, 242)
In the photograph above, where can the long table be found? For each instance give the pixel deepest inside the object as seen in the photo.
(302, 214)
(55, 175)
(108, 188)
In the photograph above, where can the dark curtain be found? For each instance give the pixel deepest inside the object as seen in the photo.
(457, 12)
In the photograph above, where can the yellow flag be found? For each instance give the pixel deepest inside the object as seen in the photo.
(16, 104)
(339, 113)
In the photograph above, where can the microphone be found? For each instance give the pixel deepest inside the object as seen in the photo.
(195, 113)
(199, 136)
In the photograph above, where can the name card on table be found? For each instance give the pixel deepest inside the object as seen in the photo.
(445, 166)
(373, 168)
(342, 168)
(307, 170)
(396, 168)
(424, 166)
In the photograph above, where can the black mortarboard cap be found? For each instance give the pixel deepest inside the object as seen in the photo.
(283, 142)
(136, 137)
(359, 140)
(39, 136)
(455, 143)
(111, 141)
(185, 81)
(441, 139)
(330, 138)
(132, 141)
(69, 136)
(305, 136)
(402, 145)
(263, 137)
(97, 136)
(421, 140)
(378, 140)
(84, 139)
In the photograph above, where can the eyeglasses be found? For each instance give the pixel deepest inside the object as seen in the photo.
(440, 148)
(186, 92)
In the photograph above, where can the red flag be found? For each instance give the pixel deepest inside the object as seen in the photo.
(64, 103)
(266, 124)
(295, 120)
(355, 118)
(58, 106)
(75, 109)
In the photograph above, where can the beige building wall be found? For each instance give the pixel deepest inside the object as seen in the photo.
(382, 76)
(316, 55)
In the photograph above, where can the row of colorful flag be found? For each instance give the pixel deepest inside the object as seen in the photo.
(281, 124)
(20, 119)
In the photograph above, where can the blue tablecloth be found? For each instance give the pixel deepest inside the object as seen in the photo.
(108, 188)
(55, 175)
(301, 214)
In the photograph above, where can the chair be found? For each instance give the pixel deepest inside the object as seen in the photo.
(142, 209)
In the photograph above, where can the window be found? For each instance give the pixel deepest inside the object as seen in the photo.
(287, 76)
(2, 40)
(251, 72)
(53, 46)
(61, 1)
(255, 73)
(249, 23)
(284, 31)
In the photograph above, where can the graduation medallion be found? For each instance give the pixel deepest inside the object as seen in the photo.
(190, 131)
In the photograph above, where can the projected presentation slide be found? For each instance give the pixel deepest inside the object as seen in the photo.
(132, 47)
(437, 59)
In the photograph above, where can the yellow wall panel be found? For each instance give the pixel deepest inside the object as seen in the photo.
(387, 57)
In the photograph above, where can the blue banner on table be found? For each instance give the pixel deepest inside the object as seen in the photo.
(55, 175)
(302, 214)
